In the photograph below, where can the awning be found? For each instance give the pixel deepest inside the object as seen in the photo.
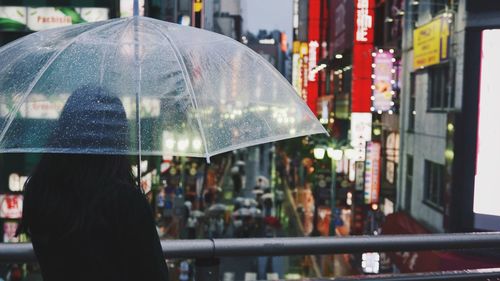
(408, 262)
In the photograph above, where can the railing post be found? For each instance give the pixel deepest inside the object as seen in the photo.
(207, 269)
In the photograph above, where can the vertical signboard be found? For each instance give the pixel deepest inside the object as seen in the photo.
(359, 175)
(372, 172)
(313, 39)
(486, 192)
(362, 56)
(383, 81)
(296, 65)
(361, 132)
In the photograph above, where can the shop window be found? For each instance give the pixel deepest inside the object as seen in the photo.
(412, 109)
(434, 185)
(440, 88)
(409, 182)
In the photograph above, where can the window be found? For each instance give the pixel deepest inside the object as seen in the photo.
(434, 185)
(438, 6)
(440, 88)
(409, 182)
(412, 110)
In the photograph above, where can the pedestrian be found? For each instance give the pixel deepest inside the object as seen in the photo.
(237, 179)
(85, 215)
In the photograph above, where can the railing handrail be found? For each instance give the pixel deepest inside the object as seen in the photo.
(215, 248)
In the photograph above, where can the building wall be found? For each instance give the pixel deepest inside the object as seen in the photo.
(427, 140)
(232, 7)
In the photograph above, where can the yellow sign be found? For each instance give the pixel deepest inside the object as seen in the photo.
(296, 47)
(430, 43)
(197, 6)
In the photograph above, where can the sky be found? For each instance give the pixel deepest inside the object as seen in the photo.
(268, 15)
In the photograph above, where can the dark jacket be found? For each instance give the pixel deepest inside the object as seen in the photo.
(118, 242)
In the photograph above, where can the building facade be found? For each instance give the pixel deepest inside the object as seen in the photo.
(439, 111)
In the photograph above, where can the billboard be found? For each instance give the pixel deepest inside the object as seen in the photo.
(11, 206)
(430, 42)
(486, 192)
(372, 172)
(21, 18)
(362, 55)
(383, 81)
(361, 132)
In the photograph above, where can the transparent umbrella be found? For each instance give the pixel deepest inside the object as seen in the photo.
(217, 209)
(142, 86)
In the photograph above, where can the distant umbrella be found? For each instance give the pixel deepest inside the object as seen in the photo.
(268, 196)
(243, 212)
(197, 214)
(257, 191)
(217, 209)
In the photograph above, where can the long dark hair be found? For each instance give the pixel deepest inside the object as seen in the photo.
(64, 191)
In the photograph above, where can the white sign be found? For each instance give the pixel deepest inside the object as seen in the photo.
(36, 19)
(486, 191)
(296, 66)
(372, 172)
(313, 47)
(364, 21)
(11, 206)
(16, 182)
(127, 8)
(9, 232)
(42, 107)
(361, 132)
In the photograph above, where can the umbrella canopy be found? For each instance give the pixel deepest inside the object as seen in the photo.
(248, 202)
(257, 191)
(197, 214)
(268, 196)
(217, 209)
(139, 85)
(243, 212)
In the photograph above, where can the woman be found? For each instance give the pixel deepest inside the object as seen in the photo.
(86, 218)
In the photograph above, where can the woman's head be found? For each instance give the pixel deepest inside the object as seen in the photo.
(64, 186)
(93, 120)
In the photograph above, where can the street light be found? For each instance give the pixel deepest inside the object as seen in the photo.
(334, 155)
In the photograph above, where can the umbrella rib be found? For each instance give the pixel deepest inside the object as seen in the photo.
(40, 74)
(189, 85)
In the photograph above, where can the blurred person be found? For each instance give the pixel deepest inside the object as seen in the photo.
(84, 213)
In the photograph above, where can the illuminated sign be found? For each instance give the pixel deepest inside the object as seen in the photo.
(372, 172)
(127, 8)
(9, 232)
(486, 192)
(19, 18)
(364, 18)
(383, 81)
(362, 56)
(313, 47)
(361, 78)
(11, 206)
(361, 132)
(430, 42)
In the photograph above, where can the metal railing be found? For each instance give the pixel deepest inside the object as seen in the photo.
(208, 251)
